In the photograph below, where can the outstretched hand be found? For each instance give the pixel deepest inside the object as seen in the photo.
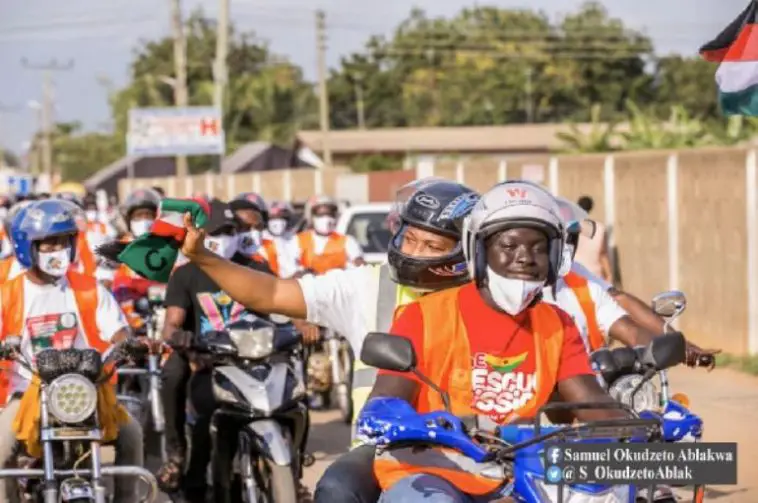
(194, 241)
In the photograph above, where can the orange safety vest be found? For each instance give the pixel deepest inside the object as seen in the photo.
(85, 256)
(272, 259)
(334, 255)
(96, 227)
(5, 268)
(447, 362)
(580, 286)
(12, 298)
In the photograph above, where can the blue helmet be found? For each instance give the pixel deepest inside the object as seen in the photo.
(41, 220)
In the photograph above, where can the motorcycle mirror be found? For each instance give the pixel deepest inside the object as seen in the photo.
(388, 352)
(669, 304)
(665, 351)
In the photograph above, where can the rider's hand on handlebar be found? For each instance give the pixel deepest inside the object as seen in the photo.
(698, 357)
(311, 333)
(180, 339)
(194, 241)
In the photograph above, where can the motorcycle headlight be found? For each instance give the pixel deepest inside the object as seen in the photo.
(253, 344)
(71, 398)
(645, 399)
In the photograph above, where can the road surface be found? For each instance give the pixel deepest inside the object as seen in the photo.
(726, 400)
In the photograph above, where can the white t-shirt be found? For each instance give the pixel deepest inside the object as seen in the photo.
(51, 319)
(343, 300)
(352, 248)
(589, 250)
(607, 310)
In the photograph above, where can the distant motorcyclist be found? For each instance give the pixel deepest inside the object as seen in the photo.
(52, 306)
(279, 242)
(321, 248)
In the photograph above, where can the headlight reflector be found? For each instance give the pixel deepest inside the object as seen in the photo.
(72, 398)
(253, 344)
(645, 399)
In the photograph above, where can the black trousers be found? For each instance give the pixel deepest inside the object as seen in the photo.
(178, 384)
(350, 479)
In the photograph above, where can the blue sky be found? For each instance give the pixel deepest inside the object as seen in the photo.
(99, 35)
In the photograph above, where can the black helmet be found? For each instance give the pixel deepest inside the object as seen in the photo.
(140, 199)
(250, 201)
(438, 206)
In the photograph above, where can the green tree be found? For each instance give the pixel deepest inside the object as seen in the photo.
(601, 136)
(79, 154)
(688, 82)
(646, 131)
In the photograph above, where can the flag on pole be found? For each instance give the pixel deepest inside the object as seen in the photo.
(736, 51)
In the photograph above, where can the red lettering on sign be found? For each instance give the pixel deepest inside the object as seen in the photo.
(517, 193)
(209, 127)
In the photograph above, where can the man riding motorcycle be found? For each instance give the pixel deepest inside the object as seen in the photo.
(279, 243)
(195, 304)
(51, 305)
(513, 242)
(252, 213)
(422, 257)
(321, 249)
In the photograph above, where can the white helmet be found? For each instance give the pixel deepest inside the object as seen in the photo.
(513, 204)
(572, 213)
(316, 201)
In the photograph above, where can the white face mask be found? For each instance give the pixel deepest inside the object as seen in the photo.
(224, 246)
(91, 215)
(277, 226)
(140, 227)
(512, 295)
(55, 263)
(249, 241)
(324, 224)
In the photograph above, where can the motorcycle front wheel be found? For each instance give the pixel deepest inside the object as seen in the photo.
(272, 484)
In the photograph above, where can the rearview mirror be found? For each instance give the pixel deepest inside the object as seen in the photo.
(388, 352)
(666, 351)
(669, 304)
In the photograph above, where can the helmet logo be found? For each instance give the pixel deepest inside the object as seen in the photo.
(459, 206)
(516, 193)
(427, 201)
(449, 270)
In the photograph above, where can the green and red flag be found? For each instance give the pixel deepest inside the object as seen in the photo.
(736, 51)
(153, 255)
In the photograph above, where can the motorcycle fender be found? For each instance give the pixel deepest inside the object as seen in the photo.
(269, 440)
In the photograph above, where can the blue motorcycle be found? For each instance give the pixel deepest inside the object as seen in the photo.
(515, 450)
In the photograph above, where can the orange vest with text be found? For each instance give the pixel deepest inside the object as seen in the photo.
(580, 286)
(447, 361)
(334, 255)
(12, 299)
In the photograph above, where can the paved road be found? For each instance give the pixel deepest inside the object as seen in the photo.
(726, 400)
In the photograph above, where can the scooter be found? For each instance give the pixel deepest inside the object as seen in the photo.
(513, 453)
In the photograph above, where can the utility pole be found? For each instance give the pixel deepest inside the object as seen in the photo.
(359, 103)
(46, 112)
(220, 70)
(181, 96)
(529, 101)
(323, 91)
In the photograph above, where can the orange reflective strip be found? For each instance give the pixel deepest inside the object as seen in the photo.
(580, 286)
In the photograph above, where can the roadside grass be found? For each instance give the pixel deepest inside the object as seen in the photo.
(747, 364)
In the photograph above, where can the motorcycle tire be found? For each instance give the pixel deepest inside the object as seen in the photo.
(281, 484)
(345, 402)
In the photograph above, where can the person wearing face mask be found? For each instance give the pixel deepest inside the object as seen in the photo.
(321, 249)
(252, 213)
(425, 255)
(97, 231)
(279, 245)
(52, 305)
(85, 261)
(513, 242)
(196, 303)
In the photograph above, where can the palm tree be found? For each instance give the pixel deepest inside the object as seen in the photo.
(600, 138)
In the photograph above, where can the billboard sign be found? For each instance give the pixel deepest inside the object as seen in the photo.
(158, 132)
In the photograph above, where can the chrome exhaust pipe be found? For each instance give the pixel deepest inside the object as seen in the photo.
(107, 471)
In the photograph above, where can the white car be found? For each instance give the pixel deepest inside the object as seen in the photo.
(367, 223)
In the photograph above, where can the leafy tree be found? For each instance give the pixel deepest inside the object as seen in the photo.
(601, 137)
(688, 82)
(647, 132)
(79, 154)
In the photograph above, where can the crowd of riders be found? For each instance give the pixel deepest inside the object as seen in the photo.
(503, 259)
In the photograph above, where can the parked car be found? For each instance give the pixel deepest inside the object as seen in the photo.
(367, 223)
